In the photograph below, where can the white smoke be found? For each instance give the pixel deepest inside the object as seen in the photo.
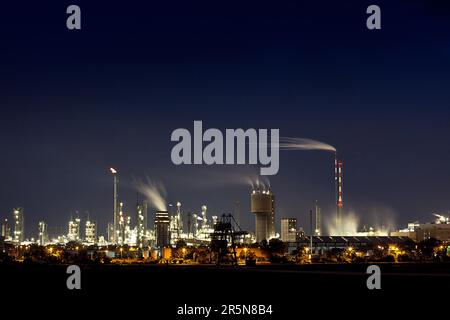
(154, 192)
(259, 183)
(350, 225)
(287, 143)
(347, 226)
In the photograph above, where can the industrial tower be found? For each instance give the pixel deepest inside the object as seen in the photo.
(115, 231)
(90, 232)
(225, 236)
(43, 234)
(19, 225)
(5, 230)
(338, 175)
(73, 233)
(141, 224)
(318, 229)
(263, 206)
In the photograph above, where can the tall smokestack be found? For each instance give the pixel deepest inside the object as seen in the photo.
(115, 206)
(338, 175)
(318, 230)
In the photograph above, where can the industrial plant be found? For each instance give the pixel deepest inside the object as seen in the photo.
(159, 235)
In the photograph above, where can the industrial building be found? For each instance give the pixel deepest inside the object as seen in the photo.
(43, 233)
(19, 225)
(73, 233)
(325, 243)
(288, 229)
(6, 231)
(439, 229)
(141, 224)
(90, 232)
(176, 225)
(162, 228)
(432, 230)
(263, 207)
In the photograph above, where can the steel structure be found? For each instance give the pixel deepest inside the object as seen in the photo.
(225, 235)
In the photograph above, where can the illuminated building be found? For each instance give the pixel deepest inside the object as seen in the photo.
(43, 233)
(127, 231)
(162, 228)
(141, 224)
(110, 232)
(6, 231)
(288, 229)
(263, 206)
(176, 225)
(120, 228)
(19, 225)
(439, 229)
(328, 243)
(432, 230)
(74, 230)
(90, 232)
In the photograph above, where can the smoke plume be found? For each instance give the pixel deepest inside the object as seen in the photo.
(154, 192)
(259, 182)
(380, 219)
(287, 143)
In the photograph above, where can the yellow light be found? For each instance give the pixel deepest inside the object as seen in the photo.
(245, 250)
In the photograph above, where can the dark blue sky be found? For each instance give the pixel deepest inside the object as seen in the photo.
(74, 103)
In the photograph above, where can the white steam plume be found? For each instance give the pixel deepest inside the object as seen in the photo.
(287, 143)
(380, 219)
(154, 192)
(259, 183)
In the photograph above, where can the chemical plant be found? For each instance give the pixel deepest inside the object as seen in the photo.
(161, 234)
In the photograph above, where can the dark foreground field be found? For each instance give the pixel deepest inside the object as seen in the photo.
(329, 290)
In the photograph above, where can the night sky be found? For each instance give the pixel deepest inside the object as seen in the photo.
(74, 103)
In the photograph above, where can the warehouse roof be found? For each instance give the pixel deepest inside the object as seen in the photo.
(355, 240)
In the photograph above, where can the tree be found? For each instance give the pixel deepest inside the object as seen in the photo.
(180, 244)
(427, 246)
(276, 246)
